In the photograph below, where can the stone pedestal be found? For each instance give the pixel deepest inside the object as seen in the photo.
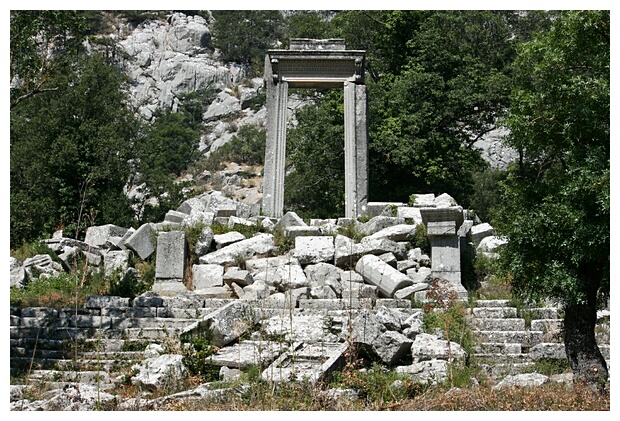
(442, 229)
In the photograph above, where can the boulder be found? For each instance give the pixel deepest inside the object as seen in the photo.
(364, 329)
(290, 219)
(480, 231)
(490, 243)
(116, 260)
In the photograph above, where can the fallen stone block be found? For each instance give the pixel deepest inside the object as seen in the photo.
(290, 219)
(143, 242)
(409, 292)
(306, 328)
(379, 223)
(312, 362)
(223, 240)
(97, 236)
(159, 373)
(206, 276)
(237, 276)
(314, 249)
(426, 372)
(247, 353)
(429, 347)
(225, 324)
(258, 245)
(172, 255)
(480, 231)
(522, 380)
(378, 273)
(391, 347)
(302, 231)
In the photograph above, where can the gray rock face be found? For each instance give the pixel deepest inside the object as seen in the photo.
(224, 105)
(160, 372)
(377, 272)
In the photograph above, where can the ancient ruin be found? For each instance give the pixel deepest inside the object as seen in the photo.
(316, 64)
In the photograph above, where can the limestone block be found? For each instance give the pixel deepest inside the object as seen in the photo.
(268, 264)
(391, 347)
(426, 372)
(160, 372)
(357, 291)
(237, 290)
(203, 244)
(18, 274)
(206, 276)
(522, 380)
(246, 354)
(171, 255)
(226, 324)
(364, 329)
(480, 231)
(350, 276)
(41, 265)
(260, 244)
(410, 213)
(308, 328)
(347, 252)
(389, 317)
(290, 219)
(379, 208)
(198, 217)
(400, 232)
(409, 292)
(98, 235)
(427, 347)
(192, 205)
(545, 350)
(322, 292)
(389, 258)
(143, 242)
(445, 201)
(311, 362)
(288, 277)
(490, 243)
(314, 249)
(379, 223)
(424, 200)
(223, 240)
(101, 301)
(301, 231)
(175, 216)
(239, 277)
(223, 292)
(115, 260)
(235, 221)
(378, 273)
(404, 265)
(256, 291)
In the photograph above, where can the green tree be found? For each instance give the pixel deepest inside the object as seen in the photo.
(556, 204)
(244, 35)
(315, 159)
(42, 41)
(69, 152)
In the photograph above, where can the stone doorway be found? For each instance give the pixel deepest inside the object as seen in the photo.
(316, 64)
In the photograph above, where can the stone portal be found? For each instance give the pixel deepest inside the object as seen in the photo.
(316, 64)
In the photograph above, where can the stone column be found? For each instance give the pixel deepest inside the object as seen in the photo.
(442, 228)
(275, 148)
(355, 150)
(350, 152)
(361, 145)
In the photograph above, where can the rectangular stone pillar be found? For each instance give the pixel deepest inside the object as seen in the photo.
(350, 151)
(172, 256)
(275, 148)
(361, 147)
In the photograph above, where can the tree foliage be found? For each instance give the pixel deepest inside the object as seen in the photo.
(556, 209)
(243, 36)
(42, 41)
(69, 152)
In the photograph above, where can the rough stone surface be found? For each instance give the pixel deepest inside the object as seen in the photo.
(378, 273)
(143, 242)
(171, 255)
(160, 372)
(428, 347)
(290, 219)
(97, 236)
(259, 244)
(379, 223)
(400, 232)
(207, 276)
(226, 323)
(522, 380)
(314, 249)
(223, 240)
(116, 260)
(391, 347)
(203, 244)
(18, 274)
(490, 243)
(426, 372)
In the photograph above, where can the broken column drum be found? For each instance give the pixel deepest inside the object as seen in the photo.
(316, 64)
(442, 229)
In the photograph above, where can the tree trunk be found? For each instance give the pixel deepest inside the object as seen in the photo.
(583, 354)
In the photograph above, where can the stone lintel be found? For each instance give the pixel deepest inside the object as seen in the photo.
(453, 213)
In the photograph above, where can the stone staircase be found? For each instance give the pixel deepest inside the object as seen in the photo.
(510, 341)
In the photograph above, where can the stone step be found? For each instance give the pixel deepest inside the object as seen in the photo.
(492, 303)
(547, 325)
(502, 358)
(499, 371)
(512, 324)
(38, 353)
(526, 337)
(494, 312)
(24, 363)
(498, 348)
(541, 312)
